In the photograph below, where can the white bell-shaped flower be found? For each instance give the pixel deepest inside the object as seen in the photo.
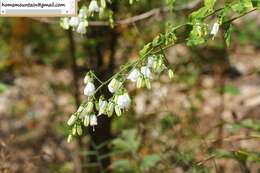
(93, 6)
(93, 121)
(74, 21)
(133, 75)
(150, 61)
(123, 101)
(89, 89)
(146, 72)
(102, 107)
(215, 29)
(114, 85)
(82, 28)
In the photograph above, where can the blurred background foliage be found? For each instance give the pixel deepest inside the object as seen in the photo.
(206, 120)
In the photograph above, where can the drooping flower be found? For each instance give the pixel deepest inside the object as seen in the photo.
(102, 107)
(82, 28)
(123, 101)
(146, 72)
(89, 89)
(114, 85)
(133, 75)
(214, 29)
(74, 21)
(93, 121)
(93, 6)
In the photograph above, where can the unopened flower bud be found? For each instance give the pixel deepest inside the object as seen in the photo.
(148, 83)
(118, 111)
(79, 130)
(69, 139)
(170, 74)
(74, 130)
(72, 120)
(87, 79)
(139, 82)
(110, 109)
(90, 107)
(86, 121)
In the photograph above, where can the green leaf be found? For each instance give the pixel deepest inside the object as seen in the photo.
(199, 14)
(241, 6)
(209, 4)
(227, 33)
(149, 161)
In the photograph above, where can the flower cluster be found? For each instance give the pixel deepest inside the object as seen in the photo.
(79, 23)
(140, 73)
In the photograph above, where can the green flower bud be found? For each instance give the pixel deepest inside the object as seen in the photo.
(143, 84)
(170, 74)
(148, 83)
(72, 120)
(79, 130)
(155, 65)
(110, 109)
(80, 109)
(86, 121)
(118, 111)
(139, 82)
(90, 106)
(74, 130)
(70, 138)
